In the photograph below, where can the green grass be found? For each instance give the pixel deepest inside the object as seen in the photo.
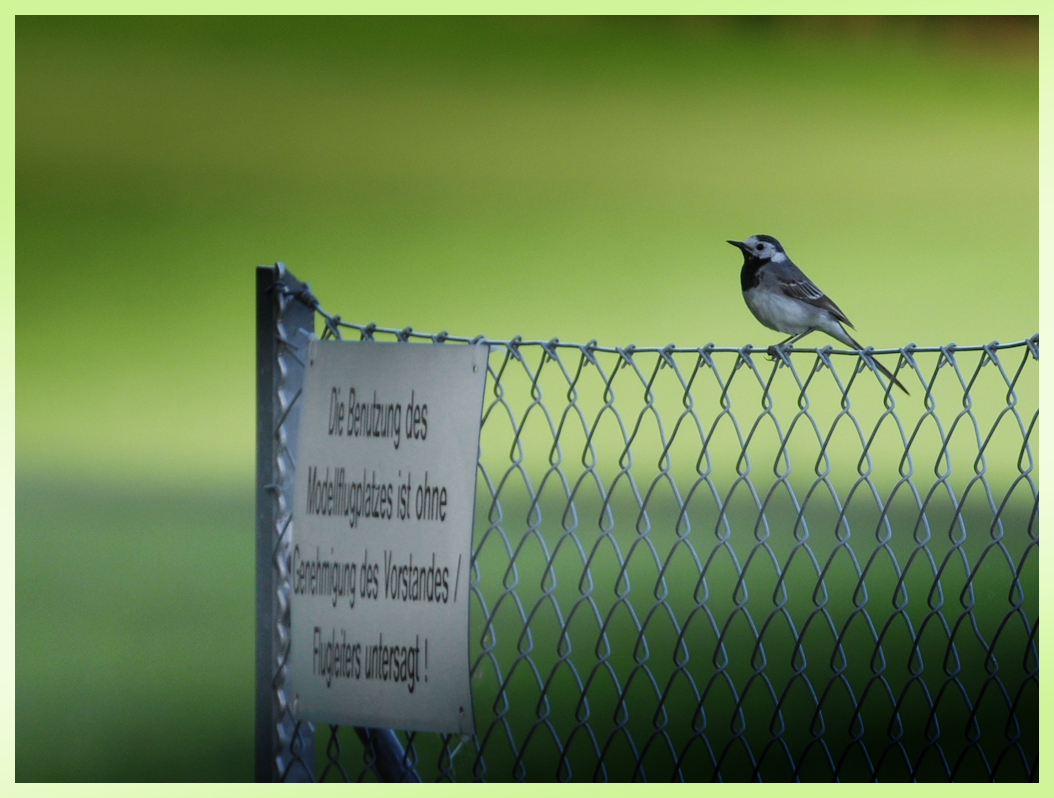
(134, 632)
(134, 643)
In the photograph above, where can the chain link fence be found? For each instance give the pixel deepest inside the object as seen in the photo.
(709, 563)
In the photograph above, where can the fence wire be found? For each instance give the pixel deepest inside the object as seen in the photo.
(723, 564)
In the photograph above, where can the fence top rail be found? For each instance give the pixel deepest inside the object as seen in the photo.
(334, 324)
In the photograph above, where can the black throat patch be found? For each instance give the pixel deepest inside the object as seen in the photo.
(750, 274)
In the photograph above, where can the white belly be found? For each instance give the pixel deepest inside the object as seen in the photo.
(783, 314)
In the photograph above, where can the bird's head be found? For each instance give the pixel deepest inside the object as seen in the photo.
(763, 248)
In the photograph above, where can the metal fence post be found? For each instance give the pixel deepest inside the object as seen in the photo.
(284, 746)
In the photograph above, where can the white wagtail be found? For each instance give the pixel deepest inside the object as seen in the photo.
(783, 299)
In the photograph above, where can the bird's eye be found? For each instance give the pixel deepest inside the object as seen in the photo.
(761, 245)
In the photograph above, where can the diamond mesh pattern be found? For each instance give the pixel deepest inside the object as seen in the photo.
(731, 564)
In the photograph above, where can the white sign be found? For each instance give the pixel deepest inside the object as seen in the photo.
(382, 534)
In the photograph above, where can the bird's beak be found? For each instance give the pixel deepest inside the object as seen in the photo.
(739, 244)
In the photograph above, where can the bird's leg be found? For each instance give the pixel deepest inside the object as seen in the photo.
(798, 337)
(771, 352)
(788, 340)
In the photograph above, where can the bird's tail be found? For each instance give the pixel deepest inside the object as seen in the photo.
(879, 366)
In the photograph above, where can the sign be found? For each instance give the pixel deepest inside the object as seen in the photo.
(382, 534)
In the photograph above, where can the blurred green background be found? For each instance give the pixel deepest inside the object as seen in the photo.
(538, 177)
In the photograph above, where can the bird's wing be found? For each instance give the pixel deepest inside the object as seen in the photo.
(801, 287)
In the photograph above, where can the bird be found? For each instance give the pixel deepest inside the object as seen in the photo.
(783, 299)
